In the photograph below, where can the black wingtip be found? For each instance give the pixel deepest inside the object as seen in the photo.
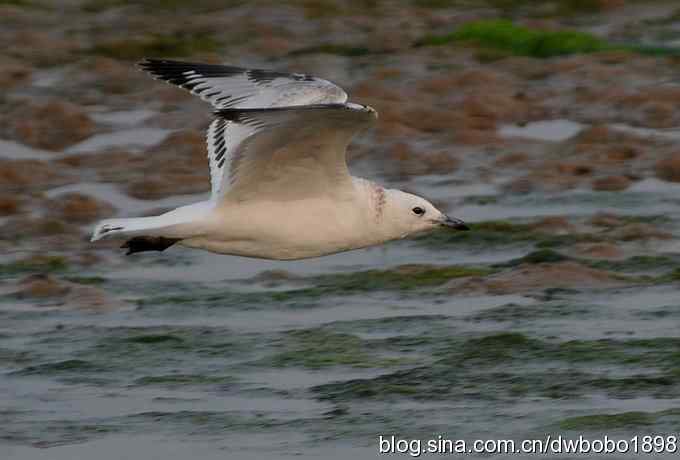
(145, 64)
(155, 61)
(155, 64)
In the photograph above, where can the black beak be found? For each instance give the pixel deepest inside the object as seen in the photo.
(454, 223)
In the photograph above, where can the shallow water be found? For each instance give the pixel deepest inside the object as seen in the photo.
(125, 204)
(197, 361)
(548, 130)
(15, 151)
(123, 117)
(131, 138)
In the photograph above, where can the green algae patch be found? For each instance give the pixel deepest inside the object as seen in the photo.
(508, 365)
(652, 50)
(452, 382)
(173, 347)
(496, 348)
(537, 257)
(173, 380)
(499, 38)
(633, 419)
(213, 423)
(155, 338)
(319, 348)
(501, 226)
(411, 383)
(638, 263)
(670, 277)
(603, 351)
(404, 277)
(177, 45)
(518, 313)
(502, 232)
(656, 386)
(230, 298)
(667, 311)
(434, 323)
(608, 421)
(90, 280)
(660, 353)
(56, 432)
(361, 389)
(38, 264)
(61, 367)
(518, 40)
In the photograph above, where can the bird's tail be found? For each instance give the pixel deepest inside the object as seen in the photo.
(147, 226)
(142, 233)
(179, 223)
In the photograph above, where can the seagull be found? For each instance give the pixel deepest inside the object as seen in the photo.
(280, 186)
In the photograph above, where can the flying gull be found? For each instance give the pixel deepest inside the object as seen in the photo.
(280, 187)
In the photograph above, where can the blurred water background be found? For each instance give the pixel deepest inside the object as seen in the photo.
(550, 126)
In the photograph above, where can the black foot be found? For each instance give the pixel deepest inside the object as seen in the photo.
(148, 243)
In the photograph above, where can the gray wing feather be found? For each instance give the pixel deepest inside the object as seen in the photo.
(237, 88)
(259, 111)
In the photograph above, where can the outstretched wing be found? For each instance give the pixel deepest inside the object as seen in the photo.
(239, 88)
(234, 88)
(283, 153)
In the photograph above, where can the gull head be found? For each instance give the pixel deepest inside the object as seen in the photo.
(411, 215)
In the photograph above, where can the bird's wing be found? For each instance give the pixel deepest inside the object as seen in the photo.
(238, 88)
(234, 88)
(283, 153)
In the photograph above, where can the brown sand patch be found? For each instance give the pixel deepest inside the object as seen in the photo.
(611, 183)
(79, 208)
(52, 126)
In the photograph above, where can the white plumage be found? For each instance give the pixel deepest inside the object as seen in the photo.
(280, 187)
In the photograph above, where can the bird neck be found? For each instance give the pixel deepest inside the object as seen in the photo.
(381, 213)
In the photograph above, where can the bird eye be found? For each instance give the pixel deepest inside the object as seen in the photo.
(418, 211)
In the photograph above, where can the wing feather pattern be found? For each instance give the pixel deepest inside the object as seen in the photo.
(238, 88)
(273, 131)
(287, 152)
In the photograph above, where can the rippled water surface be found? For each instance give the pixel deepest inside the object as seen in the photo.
(215, 356)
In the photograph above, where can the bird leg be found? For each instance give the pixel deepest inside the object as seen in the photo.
(148, 243)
